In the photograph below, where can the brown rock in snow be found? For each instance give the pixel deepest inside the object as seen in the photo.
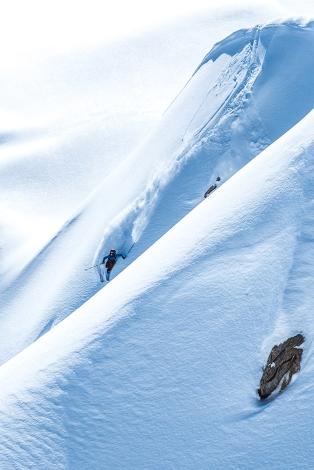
(283, 361)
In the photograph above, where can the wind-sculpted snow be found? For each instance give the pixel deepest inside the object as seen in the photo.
(216, 125)
(160, 369)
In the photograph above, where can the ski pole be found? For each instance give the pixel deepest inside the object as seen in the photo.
(129, 249)
(95, 266)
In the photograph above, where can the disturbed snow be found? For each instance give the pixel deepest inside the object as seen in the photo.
(159, 368)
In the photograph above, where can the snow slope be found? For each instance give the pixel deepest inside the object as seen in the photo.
(216, 125)
(159, 369)
(67, 119)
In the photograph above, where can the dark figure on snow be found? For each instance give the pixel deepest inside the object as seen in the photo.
(111, 261)
(213, 187)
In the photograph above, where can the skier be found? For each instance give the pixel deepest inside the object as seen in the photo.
(213, 187)
(111, 261)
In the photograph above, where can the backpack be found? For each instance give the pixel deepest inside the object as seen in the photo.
(110, 264)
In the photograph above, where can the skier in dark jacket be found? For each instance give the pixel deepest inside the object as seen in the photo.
(111, 261)
(213, 187)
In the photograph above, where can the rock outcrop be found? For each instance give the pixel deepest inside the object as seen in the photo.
(283, 361)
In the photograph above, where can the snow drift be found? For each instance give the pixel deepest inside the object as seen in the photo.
(235, 104)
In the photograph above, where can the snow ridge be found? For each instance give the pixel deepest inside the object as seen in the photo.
(231, 109)
(113, 392)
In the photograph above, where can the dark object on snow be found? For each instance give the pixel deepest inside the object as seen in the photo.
(110, 264)
(283, 361)
(212, 187)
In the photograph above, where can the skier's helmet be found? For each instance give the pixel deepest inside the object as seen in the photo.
(113, 252)
(218, 178)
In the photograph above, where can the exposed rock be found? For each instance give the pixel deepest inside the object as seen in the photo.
(283, 361)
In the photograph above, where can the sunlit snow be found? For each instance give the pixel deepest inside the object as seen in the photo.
(111, 141)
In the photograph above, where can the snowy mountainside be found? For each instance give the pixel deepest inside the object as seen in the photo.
(79, 114)
(160, 368)
(215, 126)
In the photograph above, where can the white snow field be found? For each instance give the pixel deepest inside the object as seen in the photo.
(68, 119)
(75, 104)
(250, 89)
(159, 369)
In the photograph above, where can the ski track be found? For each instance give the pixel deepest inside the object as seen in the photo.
(147, 218)
(112, 394)
(223, 133)
(199, 158)
(252, 67)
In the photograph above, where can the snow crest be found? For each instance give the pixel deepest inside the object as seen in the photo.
(159, 369)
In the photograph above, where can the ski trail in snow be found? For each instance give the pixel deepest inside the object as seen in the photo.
(128, 226)
(154, 187)
(251, 65)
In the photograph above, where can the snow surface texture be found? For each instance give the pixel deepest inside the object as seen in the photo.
(159, 369)
(67, 120)
(215, 126)
(71, 122)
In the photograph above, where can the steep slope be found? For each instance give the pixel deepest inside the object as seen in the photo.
(159, 370)
(80, 113)
(216, 125)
